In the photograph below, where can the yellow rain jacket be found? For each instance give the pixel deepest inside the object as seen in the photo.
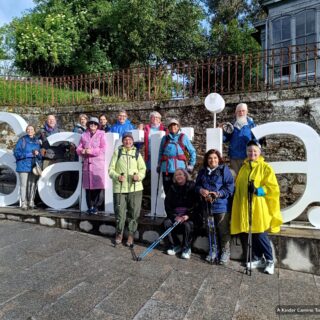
(266, 215)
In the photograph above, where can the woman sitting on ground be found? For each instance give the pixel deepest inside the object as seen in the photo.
(179, 205)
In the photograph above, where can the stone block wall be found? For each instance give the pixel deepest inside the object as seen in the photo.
(300, 104)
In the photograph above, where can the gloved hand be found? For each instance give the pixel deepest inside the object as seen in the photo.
(259, 192)
(190, 168)
(158, 169)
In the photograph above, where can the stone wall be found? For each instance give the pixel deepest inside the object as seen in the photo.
(301, 105)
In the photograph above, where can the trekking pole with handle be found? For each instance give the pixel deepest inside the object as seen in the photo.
(134, 183)
(155, 207)
(156, 242)
(121, 182)
(212, 236)
(249, 245)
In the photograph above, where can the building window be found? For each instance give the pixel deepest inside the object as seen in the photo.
(305, 41)
(281, 41)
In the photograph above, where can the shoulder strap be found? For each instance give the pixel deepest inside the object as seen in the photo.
(180, 143)
(182, 146)
(120, 153)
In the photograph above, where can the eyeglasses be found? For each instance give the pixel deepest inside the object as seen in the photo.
(93, 123)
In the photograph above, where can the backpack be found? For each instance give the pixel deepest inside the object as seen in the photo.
(180, 143)
(136, 156)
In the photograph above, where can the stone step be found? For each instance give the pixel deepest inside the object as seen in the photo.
(295, 248)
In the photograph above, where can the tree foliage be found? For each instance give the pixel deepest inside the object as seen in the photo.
(225, 11)
(86, 36)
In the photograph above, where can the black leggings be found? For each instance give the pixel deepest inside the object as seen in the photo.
(92, 197)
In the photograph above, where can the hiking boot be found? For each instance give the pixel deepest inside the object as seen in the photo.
(186, 254)
(130, 240)
(269, 269)
(118, 239)
(225, 257)
(257, 264)
(173, 250)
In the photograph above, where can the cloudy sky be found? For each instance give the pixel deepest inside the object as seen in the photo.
(13, 8)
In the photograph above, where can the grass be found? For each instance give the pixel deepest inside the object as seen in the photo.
(25, 92)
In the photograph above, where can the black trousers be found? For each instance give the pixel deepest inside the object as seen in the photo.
(167, 181)
(184, 228)
(92, 197)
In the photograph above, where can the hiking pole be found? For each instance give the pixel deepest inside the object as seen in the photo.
(134, 183)
(156, 242)
(248, 269)
(249, 246)
(212, 235)
(155, 207)
(121, 182)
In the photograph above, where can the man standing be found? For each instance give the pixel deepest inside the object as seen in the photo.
(238, 135)
(123, 124)
(51, 154)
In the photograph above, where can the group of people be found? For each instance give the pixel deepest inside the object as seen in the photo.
(248, 205)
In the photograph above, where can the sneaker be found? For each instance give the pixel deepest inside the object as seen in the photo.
(257, 264)
(129, 240)
(186, 254)
(118, 239)
(94, 210)
(225, 257)
(269, 269)
(174, 250)
(24, 206)
(212, 258)
(32, 205)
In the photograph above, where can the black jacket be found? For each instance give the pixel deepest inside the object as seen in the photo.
(180, 197)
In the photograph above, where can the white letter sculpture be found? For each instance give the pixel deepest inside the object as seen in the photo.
(310, 167)
(18, 125)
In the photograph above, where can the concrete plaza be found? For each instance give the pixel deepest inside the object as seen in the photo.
(51, 273)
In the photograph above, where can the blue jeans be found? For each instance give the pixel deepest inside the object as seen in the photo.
(261, 246)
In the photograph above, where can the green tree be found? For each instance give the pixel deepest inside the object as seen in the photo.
(224, 11)
(84, 36)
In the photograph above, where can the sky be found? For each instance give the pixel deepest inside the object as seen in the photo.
(10, 9)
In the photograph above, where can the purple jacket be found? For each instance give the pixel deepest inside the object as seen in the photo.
(93, 169)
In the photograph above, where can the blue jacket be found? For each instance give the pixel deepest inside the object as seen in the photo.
(220, 180)
(170, 152)
(122, 128)
(239, 139)
(23, 153)
(78, 128)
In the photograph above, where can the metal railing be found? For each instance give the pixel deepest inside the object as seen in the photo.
(275, 69)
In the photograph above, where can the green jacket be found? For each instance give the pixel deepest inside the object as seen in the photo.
(127, 164)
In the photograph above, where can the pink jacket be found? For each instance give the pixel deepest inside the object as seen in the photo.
(93, 169)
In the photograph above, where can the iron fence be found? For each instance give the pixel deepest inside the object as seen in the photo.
(275, 69)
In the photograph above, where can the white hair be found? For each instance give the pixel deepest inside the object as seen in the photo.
(241, 105)
(155, 114)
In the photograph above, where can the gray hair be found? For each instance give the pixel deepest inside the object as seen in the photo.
(185, 172)
(244, 105)
(155, 114)
(82, 115)
(123, 111)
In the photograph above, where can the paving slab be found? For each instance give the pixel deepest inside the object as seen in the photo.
(61, 274)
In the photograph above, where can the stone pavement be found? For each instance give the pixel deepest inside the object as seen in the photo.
(50, 273)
